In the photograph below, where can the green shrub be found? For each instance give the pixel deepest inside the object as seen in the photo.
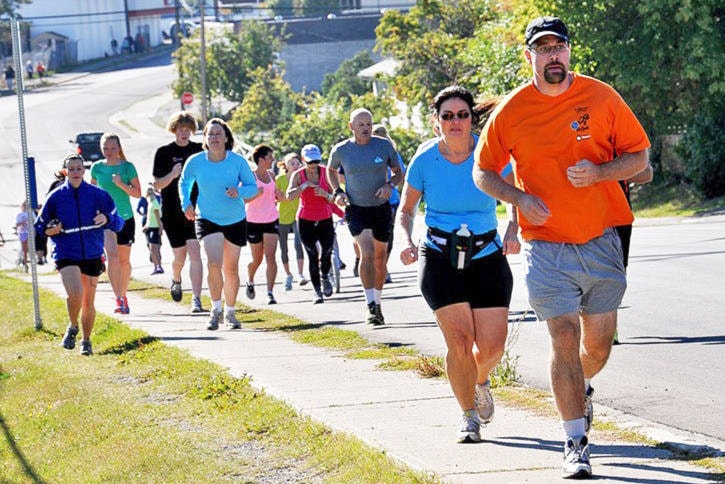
(702, 149)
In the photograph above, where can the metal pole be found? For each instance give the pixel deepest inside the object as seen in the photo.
(128, 24)
(17, 57)
(177, 42)
(203, 64)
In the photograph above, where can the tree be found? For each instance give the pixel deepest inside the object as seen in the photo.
(702, 148)
(344, 83)
(230, 59)
(664, 56)
(316, 8)
(269, 102)
(427, 41)
(10, 7)
(281, 7)
(325, 124)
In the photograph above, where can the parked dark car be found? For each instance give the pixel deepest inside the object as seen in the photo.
(88, 145)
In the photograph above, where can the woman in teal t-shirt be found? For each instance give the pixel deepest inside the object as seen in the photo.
(120, 179)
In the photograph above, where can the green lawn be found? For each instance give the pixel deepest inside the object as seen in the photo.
(141, 411)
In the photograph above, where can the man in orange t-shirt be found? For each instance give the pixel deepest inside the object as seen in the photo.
(561, 132)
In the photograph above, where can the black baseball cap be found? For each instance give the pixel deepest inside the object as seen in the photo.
(542, 26)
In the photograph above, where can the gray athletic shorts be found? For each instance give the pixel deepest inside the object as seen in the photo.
(570, 278)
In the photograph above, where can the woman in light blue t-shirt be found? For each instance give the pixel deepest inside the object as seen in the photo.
(463, 273)
(224, 179)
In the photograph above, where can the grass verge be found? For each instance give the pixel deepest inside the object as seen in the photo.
(672, 200)
(142, 411)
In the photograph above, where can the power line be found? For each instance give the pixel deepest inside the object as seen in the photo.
(74, 15)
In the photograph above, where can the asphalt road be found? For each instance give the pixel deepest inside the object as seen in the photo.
(669, 368)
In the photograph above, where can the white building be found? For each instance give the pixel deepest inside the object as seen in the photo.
(92, 26)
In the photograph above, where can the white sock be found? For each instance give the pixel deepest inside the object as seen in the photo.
(216, 305)
(377, 295)
(587, 384)
(229, 310)
(369, 295)
(574, 429)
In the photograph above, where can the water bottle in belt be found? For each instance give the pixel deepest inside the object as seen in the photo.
(463, 235)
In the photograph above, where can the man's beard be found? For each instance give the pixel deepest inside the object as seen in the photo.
(555, 77)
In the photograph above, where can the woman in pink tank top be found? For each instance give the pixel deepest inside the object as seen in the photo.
(314, 218)
(263, 221)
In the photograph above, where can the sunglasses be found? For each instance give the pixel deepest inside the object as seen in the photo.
(448, 116)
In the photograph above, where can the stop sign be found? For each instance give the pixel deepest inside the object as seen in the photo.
(187, 98)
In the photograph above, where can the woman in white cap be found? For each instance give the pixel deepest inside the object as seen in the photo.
(315, 218)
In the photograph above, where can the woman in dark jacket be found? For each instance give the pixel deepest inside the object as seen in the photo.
(74, 217)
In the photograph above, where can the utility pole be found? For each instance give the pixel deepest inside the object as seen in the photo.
(177, 43)
(128, 24)
(177, 38)
(203, 64)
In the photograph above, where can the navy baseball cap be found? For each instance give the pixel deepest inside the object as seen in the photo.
(542, 26)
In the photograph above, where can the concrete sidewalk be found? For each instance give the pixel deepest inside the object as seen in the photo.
(412, 419)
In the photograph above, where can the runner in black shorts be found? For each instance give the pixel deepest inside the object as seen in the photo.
(463, 272)
(224, 180)
(75, 217)
(89, 267)
(365, 160)
(235, 233)
(377, 219)
(168, 163)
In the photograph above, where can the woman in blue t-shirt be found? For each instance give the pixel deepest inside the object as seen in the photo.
(224, 180)
(463, 273)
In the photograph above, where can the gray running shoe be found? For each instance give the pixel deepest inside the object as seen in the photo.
(303, 281)
(250, 290)
(588, 409)
(196, 305)
(470, 430)
(326, 285)
(288, 283)
(484, 402)
(69, 339)
(86, 348)
(175, 290)
(271, 299)
(231, 320)
(318, 299)
(576, 459)
(214, 318)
